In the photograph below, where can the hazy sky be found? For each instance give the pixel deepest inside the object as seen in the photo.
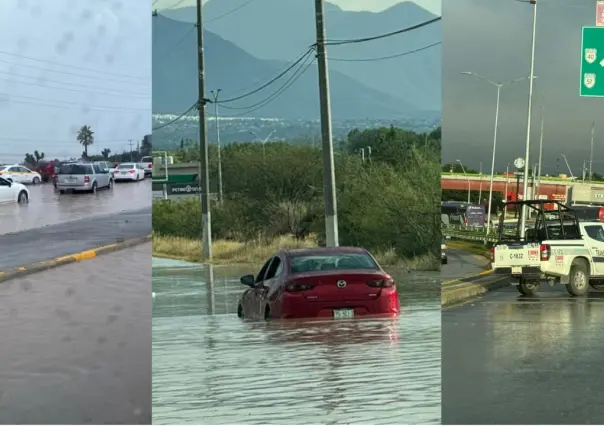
(433, 6)
(68, 63)
(493, 38)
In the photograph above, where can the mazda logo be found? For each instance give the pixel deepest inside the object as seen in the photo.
(341, 284)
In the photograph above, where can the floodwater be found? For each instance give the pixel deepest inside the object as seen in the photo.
(211, 367)
(48, 207)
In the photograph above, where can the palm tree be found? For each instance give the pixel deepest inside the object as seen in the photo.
(85, 138)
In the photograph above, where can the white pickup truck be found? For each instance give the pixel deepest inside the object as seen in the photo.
(558, 249)
(147, 164)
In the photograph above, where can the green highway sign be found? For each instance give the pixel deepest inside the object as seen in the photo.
(592, 62)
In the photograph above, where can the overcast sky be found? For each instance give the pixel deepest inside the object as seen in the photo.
(68, 63)
(433, 6)
(493, 38)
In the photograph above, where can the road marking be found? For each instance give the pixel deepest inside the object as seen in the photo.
(462, 280)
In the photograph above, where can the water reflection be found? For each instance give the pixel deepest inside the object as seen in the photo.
(48, 207)
(211, 367)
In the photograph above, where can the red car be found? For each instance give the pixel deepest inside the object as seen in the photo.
(343, 282)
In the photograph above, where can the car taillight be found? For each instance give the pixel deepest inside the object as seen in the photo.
(601, 214)
(492, 254)
(86, 179)
(150, 165)
(381, 283)
(131, 171)
(545, 252)
(295, 287)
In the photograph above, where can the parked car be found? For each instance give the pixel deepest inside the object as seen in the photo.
(13, 192)
(342, 282)
(87, 177)
(20, 174)
(108, 165)
(47, 169)
(147, 164)
(129, 171)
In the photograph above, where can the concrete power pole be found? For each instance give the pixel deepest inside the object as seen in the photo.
(591, 150)
(206, 230)
(329, 178)
(130, 143)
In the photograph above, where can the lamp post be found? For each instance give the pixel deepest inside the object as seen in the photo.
(498, 86)
(466, 175)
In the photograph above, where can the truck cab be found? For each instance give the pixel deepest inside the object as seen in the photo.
(556, 247)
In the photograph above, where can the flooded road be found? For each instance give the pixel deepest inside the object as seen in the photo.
(75, 343)
(510, 359)
(48, 207)
(209, 366)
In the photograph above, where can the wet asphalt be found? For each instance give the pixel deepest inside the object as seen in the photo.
(75, 343)
(43, 243)
(462, 264)
(509, 359)
(47, 207)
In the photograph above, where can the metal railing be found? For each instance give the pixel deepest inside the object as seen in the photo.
(461, 232)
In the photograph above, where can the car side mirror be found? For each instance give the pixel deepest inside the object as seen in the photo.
(248, 280)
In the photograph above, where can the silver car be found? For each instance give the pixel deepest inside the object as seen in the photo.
(79, 177)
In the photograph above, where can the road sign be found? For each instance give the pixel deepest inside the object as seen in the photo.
(600, 14)
(592, 62)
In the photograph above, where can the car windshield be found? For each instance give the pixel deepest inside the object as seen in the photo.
(309, 263)
(126, 166)
(74, 169)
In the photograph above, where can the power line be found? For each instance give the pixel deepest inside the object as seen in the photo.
(298, 73)
(73, 84)
(9, 96)
(264, 86)
(224, 15)
(65, 141)
(70, 73)
(381, 36)
(3, 52)
(73, 90)
(161, 126)
(381, 58)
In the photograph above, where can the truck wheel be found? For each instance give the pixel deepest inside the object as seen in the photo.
(579, 279)
(528, 288)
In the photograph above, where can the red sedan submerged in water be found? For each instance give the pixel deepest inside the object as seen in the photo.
(342, 282)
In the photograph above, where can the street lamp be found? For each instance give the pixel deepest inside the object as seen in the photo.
(215, 95)
(528, 122)
(466, 175)
(498, 86)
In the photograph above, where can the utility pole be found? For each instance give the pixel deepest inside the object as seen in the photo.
(591, 151)
(206, 229)
(130, 143)
(480, 190)
(329, 177)
(215, 100)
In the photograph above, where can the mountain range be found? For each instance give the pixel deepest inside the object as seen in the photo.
(242, 52)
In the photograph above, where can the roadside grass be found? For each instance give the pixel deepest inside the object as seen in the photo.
(256, 252)
(471, 247)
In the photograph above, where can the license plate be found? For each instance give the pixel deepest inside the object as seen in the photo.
(516, 270)
(343, 313)
(123, 173)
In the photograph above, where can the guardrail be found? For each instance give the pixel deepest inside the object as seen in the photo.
(469, 234)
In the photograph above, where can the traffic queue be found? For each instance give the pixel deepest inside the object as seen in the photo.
(69, 176)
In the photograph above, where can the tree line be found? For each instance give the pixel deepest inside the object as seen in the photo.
(389, 200)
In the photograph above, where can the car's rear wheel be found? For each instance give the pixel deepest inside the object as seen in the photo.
(36, 180)
(240, 311)
(110, 186)
(528, 288)
(579, 279)
(22, 198)
(61, 191)
(94, 188)
(267, 312)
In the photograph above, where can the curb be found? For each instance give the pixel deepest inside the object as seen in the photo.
(455, 294)
(32, 268)
(466, 280)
